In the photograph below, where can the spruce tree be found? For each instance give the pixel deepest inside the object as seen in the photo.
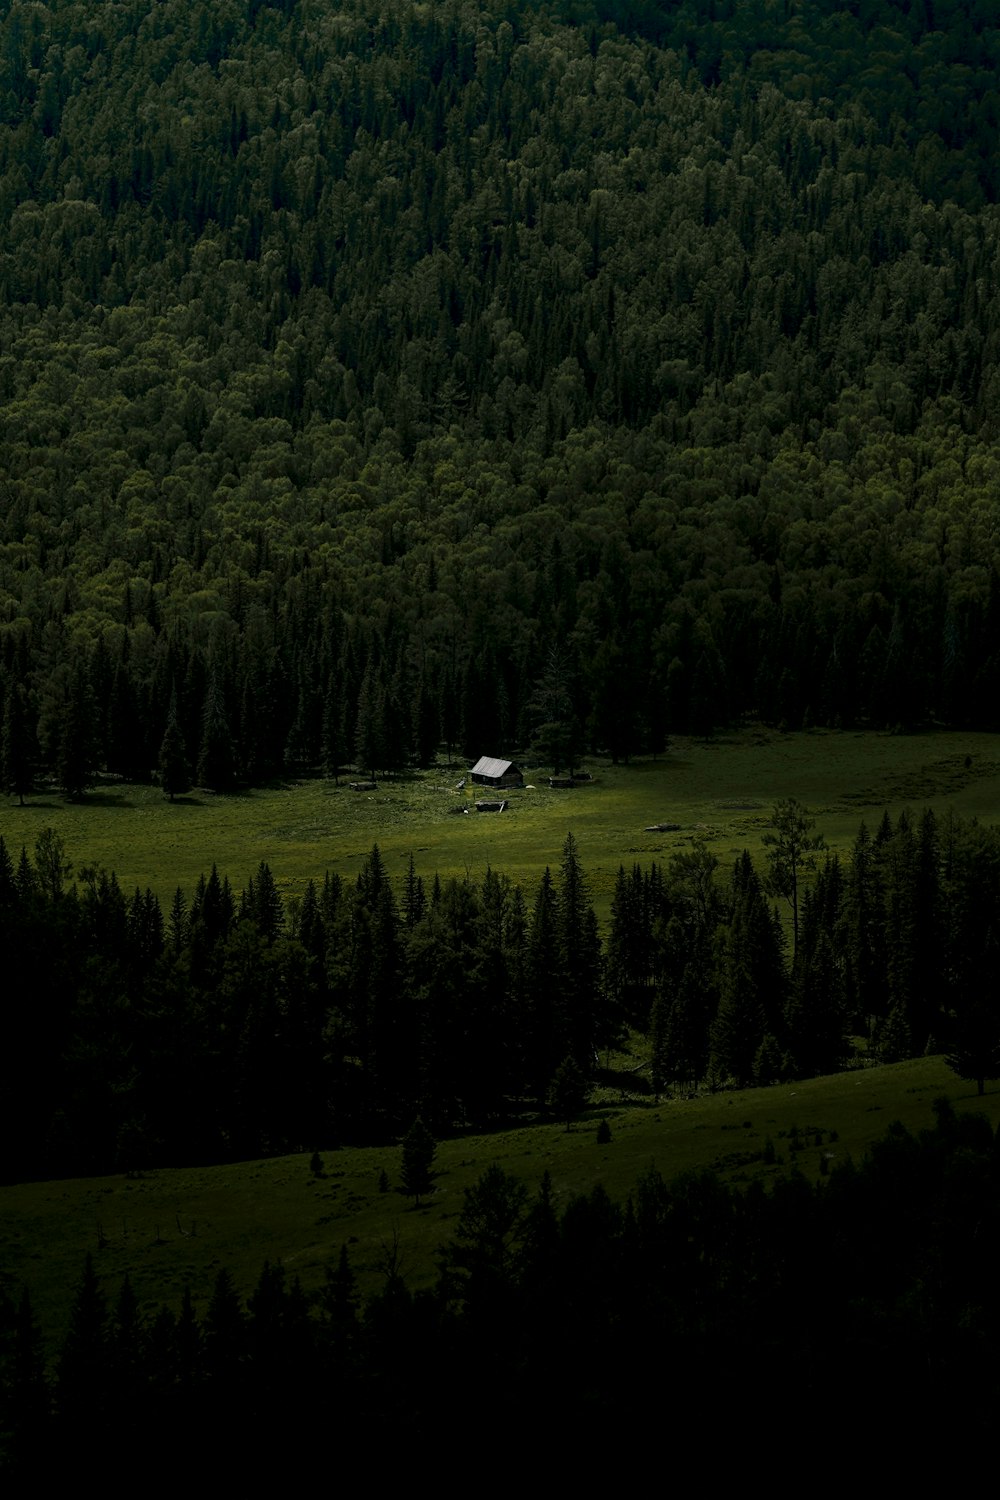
(83, 1373)
(569, 1091)
(216, 761)
(334, 735)
(579, 959)
(76, 752)
(976, 1051)
(15, 744)
(418, 1155)
(791, 847)
(172, 762)
(368, 731)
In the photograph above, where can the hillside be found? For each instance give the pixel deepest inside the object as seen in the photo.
(490, 375)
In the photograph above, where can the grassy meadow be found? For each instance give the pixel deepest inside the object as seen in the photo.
(173, 1228)
(722, 790)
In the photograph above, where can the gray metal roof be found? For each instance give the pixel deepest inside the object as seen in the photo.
(488, 765)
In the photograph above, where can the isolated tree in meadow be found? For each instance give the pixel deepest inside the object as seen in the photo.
(569, 1090)
(976, 1052)
(419, 1147)
(791, 847)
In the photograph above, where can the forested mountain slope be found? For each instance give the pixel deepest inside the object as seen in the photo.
(378, 376)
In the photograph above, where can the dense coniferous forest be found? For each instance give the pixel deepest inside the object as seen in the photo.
(383, 381)
(377, 378)
(233, 1026)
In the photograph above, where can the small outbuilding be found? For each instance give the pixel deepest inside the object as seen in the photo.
(488, 771)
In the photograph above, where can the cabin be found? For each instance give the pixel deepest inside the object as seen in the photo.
(488, 771)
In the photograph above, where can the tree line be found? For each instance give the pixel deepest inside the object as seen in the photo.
(236, 1025)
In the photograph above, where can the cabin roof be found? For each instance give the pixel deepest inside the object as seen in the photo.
(489, 765)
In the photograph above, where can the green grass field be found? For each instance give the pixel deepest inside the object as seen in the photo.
(169, 1229)
(722, 790)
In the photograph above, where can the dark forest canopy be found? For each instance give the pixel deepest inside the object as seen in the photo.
(355, 360)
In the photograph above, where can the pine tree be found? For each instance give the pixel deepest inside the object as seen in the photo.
(419, 1148)
(569, 1091)
(751, 978)
(488, 1247)
(368, 732)
(791, 847)
(77, 737)
(29, 1400)
(659, 1038)
(339, 1303)
(579, 960)
(541, 980)
(172, 762)
(82, 1390)
(216, 761)
(15, 744)
(334, 735)
(976, 1052)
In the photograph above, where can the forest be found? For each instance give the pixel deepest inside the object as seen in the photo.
(690, 1307)
(504, 375)
(233, 1027)
(387, 381)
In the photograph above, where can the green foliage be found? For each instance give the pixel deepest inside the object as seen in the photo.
(791, 846)
(174, 769)
(16, 759)
(569, 1091)
(529, 475)
(484, 1252)
(976, 1052)
(416, 1172)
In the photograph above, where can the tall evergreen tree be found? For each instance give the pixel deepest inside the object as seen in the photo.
(418, 1156)
(16, 758)
(216, 759)
(368, 734)
(791, 847)
(172, 762)
(579, 995)
(76, 753)
(751, 978)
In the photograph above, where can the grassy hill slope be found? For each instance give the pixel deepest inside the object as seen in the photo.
(170, 1229)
